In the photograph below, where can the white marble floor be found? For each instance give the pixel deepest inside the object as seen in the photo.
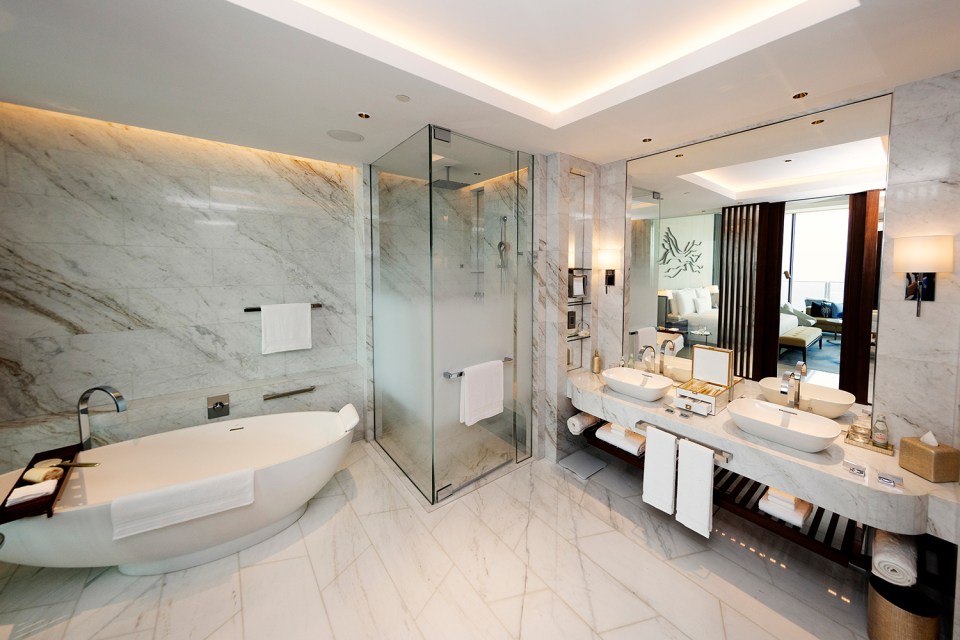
(534, 554)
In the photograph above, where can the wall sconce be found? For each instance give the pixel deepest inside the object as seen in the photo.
(608, 261)
(610, 279)
(921, 258)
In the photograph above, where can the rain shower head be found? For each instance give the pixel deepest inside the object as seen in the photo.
(447, 183)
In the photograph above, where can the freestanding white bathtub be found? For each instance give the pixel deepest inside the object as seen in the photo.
(292, 455)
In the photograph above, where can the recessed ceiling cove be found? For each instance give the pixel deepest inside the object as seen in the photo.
(552, 63)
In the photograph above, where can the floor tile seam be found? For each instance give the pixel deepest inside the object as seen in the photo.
(35, 606)
(396, 587)
(243, 631)
(159, 579)
(416, 616)
(755, 599)
(268, 561)
(349, 564)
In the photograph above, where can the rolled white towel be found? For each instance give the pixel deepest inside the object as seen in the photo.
(31, 491)
(40, 474)
(895, 558)
(625, 440)
(576, 424)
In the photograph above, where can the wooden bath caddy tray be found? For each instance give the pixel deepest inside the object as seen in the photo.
(43, 504)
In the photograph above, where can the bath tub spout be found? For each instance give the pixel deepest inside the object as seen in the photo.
(83, 412)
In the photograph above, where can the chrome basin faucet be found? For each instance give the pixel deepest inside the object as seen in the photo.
(643, 352)
(83, 413)
(663, 349)
(790, 384)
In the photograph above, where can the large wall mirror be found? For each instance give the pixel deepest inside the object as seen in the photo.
(765, 241)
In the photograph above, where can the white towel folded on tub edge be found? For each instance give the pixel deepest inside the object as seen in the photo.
(149, 510)
(894, 558)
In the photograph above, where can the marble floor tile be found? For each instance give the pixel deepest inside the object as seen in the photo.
(488, 564)
(30, 587)
(368, 488)
(546, 615)
(655, 629)
(281, 600)
(196, 602)
(457, 611)
(600, 600)
(409, 554)
(737, 625)
(113, 604)
(283, 546)
(37, 623)
(232, 629)
(505, 516)
(333, 537)
(364, 603)
(696, 612)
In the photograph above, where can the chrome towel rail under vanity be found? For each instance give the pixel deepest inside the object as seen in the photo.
(450, 375)
(719, 455)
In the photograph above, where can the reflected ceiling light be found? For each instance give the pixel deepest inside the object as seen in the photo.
(817, 122)
(802, 94)
(788, 160)
(679, 155)
(648, 139)
(345, 136)
(476, 173)
(402, 98)
(363, 116)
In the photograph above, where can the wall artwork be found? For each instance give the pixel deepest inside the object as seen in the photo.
(676, 259)
(686, 252)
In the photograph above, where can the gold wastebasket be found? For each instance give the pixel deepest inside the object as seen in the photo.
(900, 613)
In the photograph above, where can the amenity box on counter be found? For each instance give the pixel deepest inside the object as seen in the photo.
(712, 385)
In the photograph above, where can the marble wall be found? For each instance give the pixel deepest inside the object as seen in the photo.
(128, 256)
(918, 359)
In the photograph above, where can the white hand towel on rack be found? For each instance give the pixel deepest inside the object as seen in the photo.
(695, 487)
(285, 327)
(481, 391)
(646, 336)
(660, 469)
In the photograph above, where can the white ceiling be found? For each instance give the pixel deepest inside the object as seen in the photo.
(217, 70)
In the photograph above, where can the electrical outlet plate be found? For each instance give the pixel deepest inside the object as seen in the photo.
(218, 406)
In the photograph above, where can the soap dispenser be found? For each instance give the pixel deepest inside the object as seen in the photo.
(596, 362)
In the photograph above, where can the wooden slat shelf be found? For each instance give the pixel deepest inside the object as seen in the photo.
(825, 533)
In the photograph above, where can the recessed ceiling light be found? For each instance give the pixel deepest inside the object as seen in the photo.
(402, 98)
(362, 115)
(648, 139)
(817, 122)
(679, 155)
(788, 160)
(345, 136)
(802, 94)
(476, 173)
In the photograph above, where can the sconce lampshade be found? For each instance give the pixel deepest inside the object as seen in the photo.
(923, 254)
(666, 293)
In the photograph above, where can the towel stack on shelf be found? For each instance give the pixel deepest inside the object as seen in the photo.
(783, 506)
(621, 438)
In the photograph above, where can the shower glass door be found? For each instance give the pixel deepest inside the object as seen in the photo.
(452, 287)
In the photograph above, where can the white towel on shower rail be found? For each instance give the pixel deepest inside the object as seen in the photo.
(149, 510)
(481, 391)
(285, 327)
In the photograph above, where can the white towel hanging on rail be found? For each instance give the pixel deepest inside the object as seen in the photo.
(481, 391)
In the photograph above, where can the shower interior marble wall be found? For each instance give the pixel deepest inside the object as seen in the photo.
(471, 311)
(128, 256)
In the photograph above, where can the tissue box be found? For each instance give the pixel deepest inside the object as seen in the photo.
(936, 464)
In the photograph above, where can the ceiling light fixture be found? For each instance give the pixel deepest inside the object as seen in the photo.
(788, 160)
(363, 116)
(648, 139)
(476, 173)
(802, 94)
(679, 155)
(402, 98)
(817, 122)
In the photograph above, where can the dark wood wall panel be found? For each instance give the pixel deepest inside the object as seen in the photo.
(860, 283)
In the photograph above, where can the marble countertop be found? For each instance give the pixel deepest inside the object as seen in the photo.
(918, 506)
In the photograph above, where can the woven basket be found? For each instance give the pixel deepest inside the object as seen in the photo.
(914, 617)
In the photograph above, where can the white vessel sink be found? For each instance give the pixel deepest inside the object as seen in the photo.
(636, 383)
(789, 427)
(823, 401)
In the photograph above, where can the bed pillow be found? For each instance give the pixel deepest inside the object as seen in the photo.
(683, 299)
(702, 305)
(802, 318)
(702, 292)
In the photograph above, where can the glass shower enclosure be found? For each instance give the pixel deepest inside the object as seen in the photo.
(452, 274)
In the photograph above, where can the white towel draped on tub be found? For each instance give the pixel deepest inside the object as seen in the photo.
(695, 487)
(285, 327)
(660, 469)
(895, 558)
(148, 510)
(481, 391)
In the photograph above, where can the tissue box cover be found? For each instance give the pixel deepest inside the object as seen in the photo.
(936, 464)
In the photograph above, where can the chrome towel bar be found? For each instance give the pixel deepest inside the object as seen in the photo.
(719, 455)
(450, 375)
(287, 394)
(315, 305)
